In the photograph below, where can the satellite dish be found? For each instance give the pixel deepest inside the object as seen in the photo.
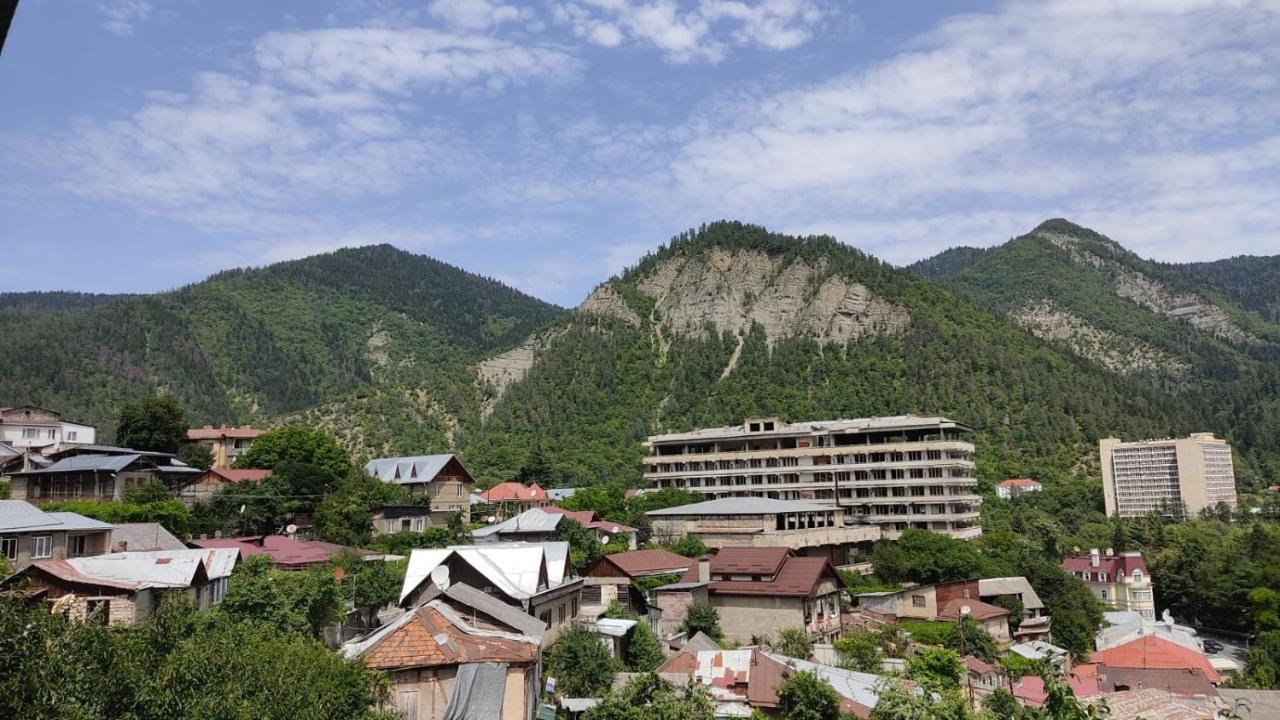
(965, 610)
(291, 529)
(604, 539)
(491, 519)
(440, 577)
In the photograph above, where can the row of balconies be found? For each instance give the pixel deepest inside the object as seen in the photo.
(829, 467)
(958, 445)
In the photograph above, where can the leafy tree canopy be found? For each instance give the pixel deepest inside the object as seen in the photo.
(156, 423)
(296, 444)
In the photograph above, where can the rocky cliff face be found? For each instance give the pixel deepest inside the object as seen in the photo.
(1117, 353)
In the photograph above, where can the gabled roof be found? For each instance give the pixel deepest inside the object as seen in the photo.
(21, 516)
(138, 571)
(285, 551)
(511, 491)
(433, 635)
(144, 536)
(217, 433)
(533, 521)
(857, 690)
(1017, 585)
(87, 463)
(489, 605)
(1020, 482)
(587, 519)
(218, 562)
(408, 470)
(639, 563)
(741, 506)
(1151, 652)
(977, 609)
(977, 666)
(1112, 565)
(745, 561)
(776, 569)
(518, 570)
(254, 475)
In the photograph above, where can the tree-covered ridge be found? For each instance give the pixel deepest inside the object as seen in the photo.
(253, 345)
(949, 263)
(602, 384)
(54, 300)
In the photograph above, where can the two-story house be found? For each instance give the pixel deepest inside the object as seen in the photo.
(439, 479)
(29, 534)
(30, 427)
(226, 443)
(1119, 581)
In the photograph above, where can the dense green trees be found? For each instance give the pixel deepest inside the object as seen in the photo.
(794, 642)
(581, 665)
(702, 617)
(861, 651)
(805, 696)
(296, 444)
(644, 651)
(649, 697)
(156, 423)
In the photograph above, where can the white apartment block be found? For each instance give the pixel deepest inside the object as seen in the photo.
(32, 428)
(1170, 477)
(893, 472)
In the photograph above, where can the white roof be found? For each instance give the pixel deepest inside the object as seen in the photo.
(517, 569)
(614, 627)
(1038, 650)
(1017, 585)
(407, 470)
(560, 493)
(218, 562)
(533, 521)
(21, 516)
(141, 570)
(859, 687)
(810, 427)
(1126, 626)
(742, 506)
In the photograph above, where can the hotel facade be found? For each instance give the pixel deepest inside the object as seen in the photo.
(892, 472)
(1171, 477)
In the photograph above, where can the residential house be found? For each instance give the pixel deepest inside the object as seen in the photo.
(1124, 626)
(981, 678)
(464, 654)
(757, 592)
(1121, 582)
(143, 537)
(1252, 704)
(1013, 487)
(810, 529)
(512, 498)
(1035, 624)
(1030, 691)
(1042, 651)
(744, 680)
(619, 578)
(215, 480)
(225, 443)
(606, 531)
(533, 577)
(29, 534)
(1154, 703)
(1153, 653)
(440, 478)
(97, 472)
(28, 427)
(942, 601)
(124, 588)
(533, 525)
(287, 553)
(391, 519)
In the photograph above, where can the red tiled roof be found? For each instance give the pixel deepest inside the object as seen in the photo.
(587, 519)
(429, 639)
(1112, 565)
(977, 609)
(1152, 652)
(234, 433)
(648, 562)
(1030, 689)
(681, 662)
(286, 552)
(743, 561)
(1020, 482)
(239, 476)
(799, 576)
(509, 491)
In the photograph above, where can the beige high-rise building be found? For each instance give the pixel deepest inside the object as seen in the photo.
(1171, 477)
(893, 472)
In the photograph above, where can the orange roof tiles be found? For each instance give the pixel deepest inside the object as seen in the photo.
(1153, 652)
(240, 476)
(430, 639)
(218, 433)
(512, 491)
(977, 609)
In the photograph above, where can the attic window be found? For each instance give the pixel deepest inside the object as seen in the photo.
(753, 427)
(768, 426)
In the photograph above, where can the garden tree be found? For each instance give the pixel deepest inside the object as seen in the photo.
(584, 548)
(1262, 662)
(156, 423)
(1002, 705)
(301, 602)
(343, 519)
(702, 617)
(898, 702)
(371, 585)
(149, 492)
(805, 696)
(535, 469)
(794, 642)
(170, 512)
(1013, 604)
(293, 443)
(649, 697)
(436, 536)
(1061, 702)
(1076, 613)
(581, 665)
(968, 638)
(196, 454)
(690, 546)
(644, 652)
(860, 651)
(1264, 606)
(177, 664)
(926, 557)
(936, 669)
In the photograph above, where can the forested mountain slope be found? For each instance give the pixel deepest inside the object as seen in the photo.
(1204, 333)
(733, 321)
(338, 330)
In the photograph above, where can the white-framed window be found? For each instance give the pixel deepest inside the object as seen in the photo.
(219, 590)
(1086, 577)
(71, 436)
(1102, 577)
(30, 433)
(51, 433)
(9, 548)
(41, 547)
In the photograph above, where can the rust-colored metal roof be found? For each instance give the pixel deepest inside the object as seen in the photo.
(978, 610)
(1152, 652)
(647, 562)
(510, 491)
(681, 662)
(798, 576)
(767, 674)
(430, 639)
(239, 476)
(216, 433)
(978, 666)
(749, 560)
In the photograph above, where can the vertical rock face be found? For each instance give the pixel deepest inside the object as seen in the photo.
(500, 371)
(1154, 295)
(1123, 355)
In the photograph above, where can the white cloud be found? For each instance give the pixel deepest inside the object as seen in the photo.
(688, 32)
(476, 14)
(123, 15)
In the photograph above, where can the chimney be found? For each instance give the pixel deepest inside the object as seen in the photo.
(1093, 557)
(704, 568)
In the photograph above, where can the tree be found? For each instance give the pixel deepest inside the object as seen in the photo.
(936, 669)
(301, 602)
(584, 548)
(969, 639)
(804, 696)
(149, 492)
(649, 697)
(689, 546)
(897, 702)
(296, 444)
(1012, 603)
(155, 424)
(702, 617)
(926, 557)
(860, 651)
(581, 665)
(1002, 705)
(794, 642)
(644, 652)
(196, 454)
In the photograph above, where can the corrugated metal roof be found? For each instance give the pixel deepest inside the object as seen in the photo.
(20, 516)
(495, 608)
(132, 571)
(533, 521)
(858, 687)
(560, 493)
(76, 521)
(741, 506)
(89, 463)
(1018, 585)
(218, 562)
(614, 627)
(648, 562)
(407, 470)
(516, 569)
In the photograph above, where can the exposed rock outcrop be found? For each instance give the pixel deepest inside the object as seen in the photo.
(1117, 353)
(605, 300)
(500, 371)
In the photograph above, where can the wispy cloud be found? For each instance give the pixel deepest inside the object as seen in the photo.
(120, 16)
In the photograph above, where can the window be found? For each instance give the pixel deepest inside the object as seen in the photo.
(1102, 577)
(98, 611)
(1104, 594)
(41, 546)
(77, 545)
(9, 547)
(52, 433)
(917, 601)
(560, 614)
(30, 433)
(71, 435)
(219, 589)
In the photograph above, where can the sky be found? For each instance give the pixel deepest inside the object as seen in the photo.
(145, 144)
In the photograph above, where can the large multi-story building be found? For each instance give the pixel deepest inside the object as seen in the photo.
(895, 472)
(1171, 477)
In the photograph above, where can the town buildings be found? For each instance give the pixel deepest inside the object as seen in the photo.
(622, 577)
(225, 443)
(96, 472)
(203, 487)
(1171, 477)
(835, 533)
(952, 600)
(33, 428)
(440, 479)
(29, 534)
(512, 498)
(287, 553)
(1014, 487)
(757, 592)
(1120, 582)
(894, 472)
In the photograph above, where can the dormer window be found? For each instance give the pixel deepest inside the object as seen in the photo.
(1102, 577)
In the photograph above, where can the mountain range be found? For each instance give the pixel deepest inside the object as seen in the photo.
(1043, 344)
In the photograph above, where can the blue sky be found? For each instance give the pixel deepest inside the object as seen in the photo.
(145, 144)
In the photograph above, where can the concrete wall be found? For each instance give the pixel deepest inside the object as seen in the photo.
(96, 543)
(674, 606)
(745, 616)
